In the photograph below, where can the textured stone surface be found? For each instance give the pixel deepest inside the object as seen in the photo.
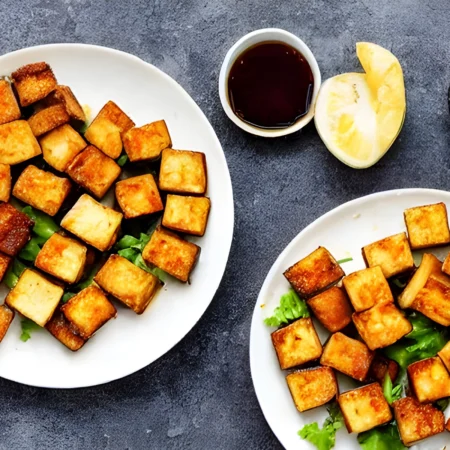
(200, 394)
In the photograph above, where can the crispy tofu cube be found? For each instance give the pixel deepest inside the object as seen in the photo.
(138, 196)
(5, 261)
(297, 343)
(48, 119)
(382, 366)
(348, 356)
(147, 142)
(446, 265)
(17, 142)
(128, 283)
(367, 288)
(60, 146)
(381, 325)
(444, 354)
(183, 172)
(332, 309)
(427, 226)
(172, 254)
(392, 254)
(88, 311)
(415, 421)
(6, 317)
(314, 273)
(9, 108)
(61, 329)
(105, 132)
(94, 171)
(62, 257)
(34, 297)
(429, 380)
(93, 223)
(33, 82)
(186, 214)
(312, 387)
(15, 229)
(42, 190)
(5, 182)
(447, 425)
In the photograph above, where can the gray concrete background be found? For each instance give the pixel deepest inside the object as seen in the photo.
(200, 394)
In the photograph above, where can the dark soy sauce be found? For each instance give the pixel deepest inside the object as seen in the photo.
(270, 85)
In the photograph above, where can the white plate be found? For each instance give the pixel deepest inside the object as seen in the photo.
(343, 231)
(131, 342)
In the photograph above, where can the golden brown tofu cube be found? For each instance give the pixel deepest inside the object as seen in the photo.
(94, 171)
(61, 329)
(9, 108)
(364, 408)
(172, 254)
(415, 421)
(33, 82)
(15, 229)
(105, 132)
(183, 172)
(314, 273)
(6, 317)
(88, 311)
(34, 297)
(48, 119)
(367, 288)
(297, 343)
(93, 223)
(186, 214)
(427, 226)
(4, 264)
(138, 196)
(447, 425)
(42, 190)
(5, 182)
(60, 146)
(128, 283)
(332, 309)
(381, 325)
(381, 366)
(62, 257)
(17, 143)
(392, 254)
(147, 142)
(312, 387)
(446, 265)
(444, 354)
(429, 380)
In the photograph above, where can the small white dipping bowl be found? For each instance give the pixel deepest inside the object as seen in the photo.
(249, 40)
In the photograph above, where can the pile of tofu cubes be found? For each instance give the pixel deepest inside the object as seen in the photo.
(362, 316)
(38, 117)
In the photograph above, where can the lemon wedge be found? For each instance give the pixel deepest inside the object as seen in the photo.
(359, 115)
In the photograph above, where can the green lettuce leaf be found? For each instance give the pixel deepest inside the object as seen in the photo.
(391, 393)
(381, 438)
(291, 307)
(28, 326)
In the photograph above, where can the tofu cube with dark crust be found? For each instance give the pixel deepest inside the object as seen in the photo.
(314, 273)
(5, 261)
(105, 132)
(17, 143)
(171, 253)
(62, 257)
(88, 311)
(332, 309)
(15, 229)
(311, 388)
(61, 329)
(42, 190)
(138, 196)
(9, 108)
(347, 355)
(128, 283)
(6, 317)
(444, 354)
(93, 223)
(147, 142)
(367, 288)
(5, 182)
(447, 425)
(94, 171)
(381, 366)
(427, 226)
(35, 297)
(415, 421)
(429, 380)
(392, 254)
(186, 214)
(48, 119)
(297, 343)
(183, 172)
(33, 82)
(364, 408)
